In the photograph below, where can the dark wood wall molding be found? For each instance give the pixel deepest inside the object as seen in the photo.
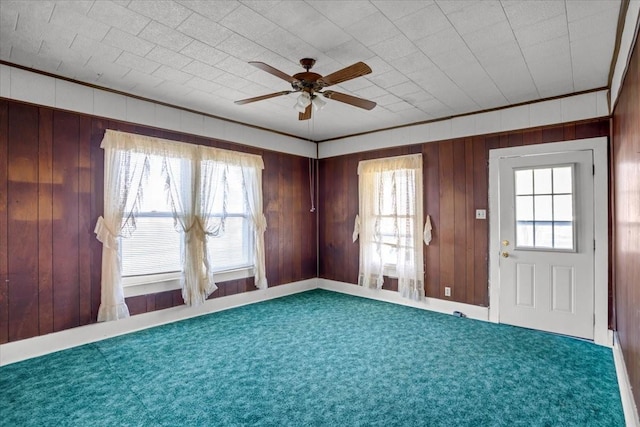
(626, 219)
(51, 194)
(455, 175)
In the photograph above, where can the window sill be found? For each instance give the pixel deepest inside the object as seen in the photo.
(145, 285)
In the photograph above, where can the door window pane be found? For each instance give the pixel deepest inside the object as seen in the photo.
(524, 182)
(544, 208)
(542, 181)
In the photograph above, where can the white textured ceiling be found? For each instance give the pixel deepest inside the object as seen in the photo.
(430, 59)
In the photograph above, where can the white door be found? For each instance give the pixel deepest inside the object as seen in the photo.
(546, 227)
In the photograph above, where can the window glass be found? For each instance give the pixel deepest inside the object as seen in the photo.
(155, 247)
(544, 213)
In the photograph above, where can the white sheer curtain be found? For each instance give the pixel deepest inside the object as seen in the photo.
(195, 184)
(123, 175)
(252, 174)
(389, 223)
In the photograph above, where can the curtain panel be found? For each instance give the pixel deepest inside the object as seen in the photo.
(389, 223)
(195, 182)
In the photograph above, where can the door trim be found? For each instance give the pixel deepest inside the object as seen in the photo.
(599, 146)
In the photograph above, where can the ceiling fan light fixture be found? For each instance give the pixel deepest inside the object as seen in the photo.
(303, 102)
(318, 103)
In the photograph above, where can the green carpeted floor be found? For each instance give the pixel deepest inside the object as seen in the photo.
(318, 359)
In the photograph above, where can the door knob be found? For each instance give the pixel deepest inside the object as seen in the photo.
(505, 254)
(505, 243)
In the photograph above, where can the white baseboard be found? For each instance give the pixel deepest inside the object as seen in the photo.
(38, 346)
(433, 304)
(631, 415)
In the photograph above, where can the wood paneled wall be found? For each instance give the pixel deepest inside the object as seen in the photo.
(626, 178)
(455, 176)
(51, 194)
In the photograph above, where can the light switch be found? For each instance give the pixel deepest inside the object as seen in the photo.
(481, 214)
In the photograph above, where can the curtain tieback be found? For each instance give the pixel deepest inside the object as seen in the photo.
(197, 230)
(107, 237)
(427, 231)
(356, 229)
(261, 223)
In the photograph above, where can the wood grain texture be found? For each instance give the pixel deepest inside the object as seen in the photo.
(22, 232)
(66, 287)
(455, 174)
(45, 221)
(51, 189)
(4, 277)
(626, 221)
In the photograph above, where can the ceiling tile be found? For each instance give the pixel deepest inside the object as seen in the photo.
(117, 16)
(592, 25)
(423, 23)
(474, 16)
(523, 13)
(345, 13)
(247, 22)
(203, 85)
(388, 79)
(89, 47)
(488, 37)
(168, 13)
(241, 47)
(542, 31)
(202, 70)
(348, 52)
(137, 63)
(81, 24)
(165, 36)
(168, 57)
(394, 48)
(579, 9)
(204, 53)
(373, 29)
(412, 63)
(125, 41)
(171, 74)
(204, 30)
(440, 42)
(214, 10)
(395, 10)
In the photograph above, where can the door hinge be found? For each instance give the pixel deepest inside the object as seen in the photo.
(593, 169)
(594, 244)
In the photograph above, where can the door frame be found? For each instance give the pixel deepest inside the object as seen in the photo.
(601, 333)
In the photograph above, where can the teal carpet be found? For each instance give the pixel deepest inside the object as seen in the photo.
(318, 359)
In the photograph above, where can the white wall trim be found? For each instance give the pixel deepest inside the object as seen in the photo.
(599, 145)
(431, 304)
(38, 346)
(561, 110)
(22, 85)
(631, 415)
(629, 34)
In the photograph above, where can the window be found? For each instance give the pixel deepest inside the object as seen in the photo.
(544, 208)
(388, 224)
(177, 210)
(152, 253)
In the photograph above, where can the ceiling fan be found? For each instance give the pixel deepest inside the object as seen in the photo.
(311, 84)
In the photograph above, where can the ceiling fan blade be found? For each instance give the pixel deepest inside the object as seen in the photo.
(351, 100)
(351, 72)
(260, 98)
(269, 69)
(306, 115)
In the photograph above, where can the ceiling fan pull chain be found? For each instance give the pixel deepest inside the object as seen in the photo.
(312, 178)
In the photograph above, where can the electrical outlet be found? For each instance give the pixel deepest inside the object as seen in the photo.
(447, 291)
